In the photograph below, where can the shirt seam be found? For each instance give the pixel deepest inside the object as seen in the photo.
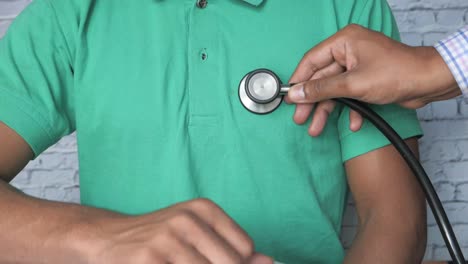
(60, 29)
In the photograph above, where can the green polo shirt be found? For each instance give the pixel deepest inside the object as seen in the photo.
(151, 88)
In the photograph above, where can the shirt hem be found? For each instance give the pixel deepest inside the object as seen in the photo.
(355, 144)
(15, 115)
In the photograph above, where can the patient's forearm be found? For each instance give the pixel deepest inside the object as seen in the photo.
(387, 240)
(39, 231)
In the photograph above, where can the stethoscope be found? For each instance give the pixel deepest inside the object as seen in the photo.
(261, 92)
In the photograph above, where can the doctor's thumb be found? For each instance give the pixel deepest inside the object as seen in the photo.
(321, 89)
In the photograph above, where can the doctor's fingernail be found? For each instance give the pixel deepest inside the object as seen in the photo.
(297, 93)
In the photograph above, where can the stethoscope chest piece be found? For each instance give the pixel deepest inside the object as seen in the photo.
(259, 91)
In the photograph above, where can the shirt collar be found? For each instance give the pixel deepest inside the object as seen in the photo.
(254, 2)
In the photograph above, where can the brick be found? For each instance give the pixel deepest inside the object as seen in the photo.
(411, 21)
(462, 146)
(52, 178)
(453, 18)
(434, 236)
(65, 145)
(435, 171)
(70, 194)
(76, 178)
(441, 252)
(21, 180)
(462, 193)
(432, 38)
(428, 254)
(446, 191)
(425, 113)
(456, 211)
(425, 147)
(455, 171)
(464, 107)
(33, 191)
(54, 160)
(412, 39)
(10, 9)
(445, 150)
(427, 4)
(54, 194)
(4, 27)
(62, 161)
(445, 129)
(402, 4)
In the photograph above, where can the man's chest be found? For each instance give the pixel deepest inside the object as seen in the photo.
(176, 57)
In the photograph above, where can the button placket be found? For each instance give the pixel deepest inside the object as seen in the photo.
(202, 65)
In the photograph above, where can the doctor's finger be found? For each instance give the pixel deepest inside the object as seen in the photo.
(303, 110)
(319, 57)
(314, 60)
(302, 113)
(331, 70)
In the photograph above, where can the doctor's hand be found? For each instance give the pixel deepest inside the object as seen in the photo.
(366, 65)
(197, 232)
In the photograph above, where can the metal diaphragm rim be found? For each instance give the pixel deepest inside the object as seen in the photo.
(269, 73)
(252, 106)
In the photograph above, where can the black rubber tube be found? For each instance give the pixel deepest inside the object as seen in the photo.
(431, 195)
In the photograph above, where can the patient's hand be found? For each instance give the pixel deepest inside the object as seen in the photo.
(196, 231)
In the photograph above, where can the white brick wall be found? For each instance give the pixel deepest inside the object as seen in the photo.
(444, 148)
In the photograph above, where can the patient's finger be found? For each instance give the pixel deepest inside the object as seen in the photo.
(319, 121)
(355, 121)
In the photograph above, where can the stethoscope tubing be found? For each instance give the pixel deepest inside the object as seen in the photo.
(414, 164)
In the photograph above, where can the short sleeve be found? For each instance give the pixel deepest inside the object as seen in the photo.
(376, 15)
(36, 78)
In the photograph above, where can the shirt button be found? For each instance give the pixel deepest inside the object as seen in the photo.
(203, 55)
(202, 3)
